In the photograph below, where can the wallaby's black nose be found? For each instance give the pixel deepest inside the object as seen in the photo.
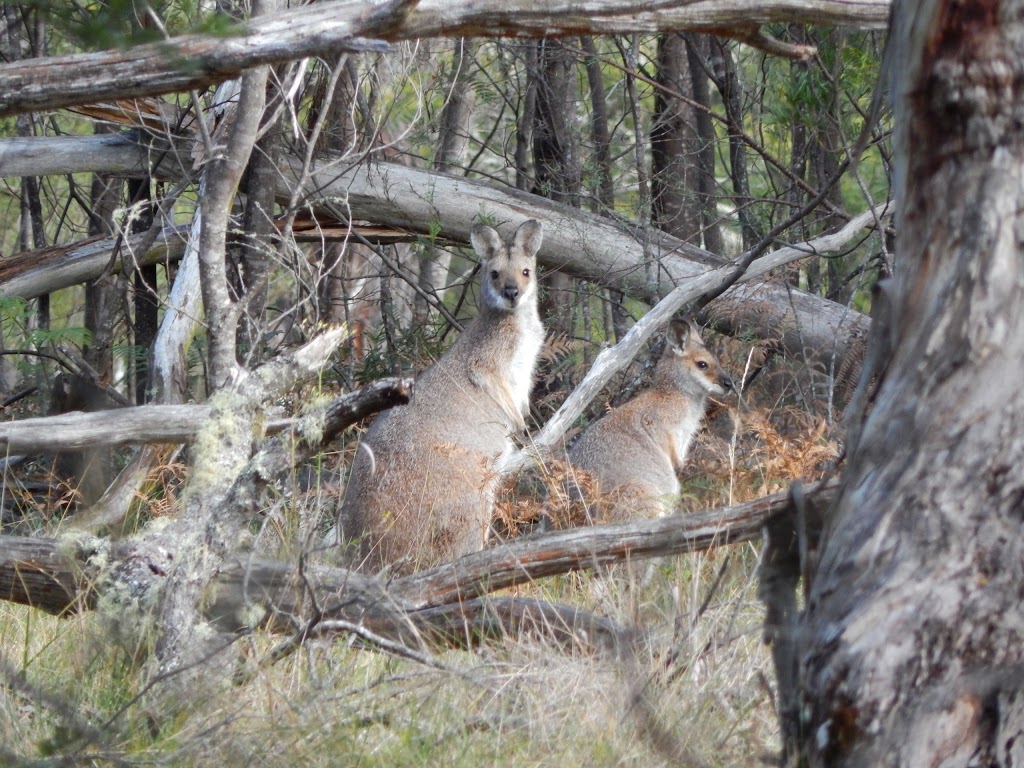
(726, 381)
(510, 291)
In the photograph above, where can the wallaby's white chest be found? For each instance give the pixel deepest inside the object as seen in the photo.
(524, 358)
(683, 432)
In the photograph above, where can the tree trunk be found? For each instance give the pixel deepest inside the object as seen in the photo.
(453, 136)
(600, 135)
(675, 145)
(728, 84)
(558, 175)
(698, 50)
(913, 637)
(254, 247)
(327, 29)
(147, 317)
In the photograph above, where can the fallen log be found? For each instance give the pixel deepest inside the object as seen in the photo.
(447, 605)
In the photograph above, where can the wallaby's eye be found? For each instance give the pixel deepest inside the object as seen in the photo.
(526, 273)
(702, 365)
(494, 274)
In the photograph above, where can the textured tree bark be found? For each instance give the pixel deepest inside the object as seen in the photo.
(675, 145)
(66, 576)
(809, 326)
(913, 637)
(329, 28)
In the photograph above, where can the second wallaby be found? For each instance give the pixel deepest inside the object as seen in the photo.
(423, 482)
(633, 454)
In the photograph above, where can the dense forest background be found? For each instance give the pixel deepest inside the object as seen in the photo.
(297, 234)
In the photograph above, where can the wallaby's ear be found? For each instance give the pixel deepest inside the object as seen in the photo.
(528, 237)
(679, 333)
(694, 330)
(485, 241)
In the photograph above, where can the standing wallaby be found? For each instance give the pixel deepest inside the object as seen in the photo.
(423, 482)
(633, 453)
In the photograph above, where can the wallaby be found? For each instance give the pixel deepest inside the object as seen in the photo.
(424, 479)
(633, 453)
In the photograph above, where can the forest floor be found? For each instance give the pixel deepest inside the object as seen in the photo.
(700, 673)
(697, 688)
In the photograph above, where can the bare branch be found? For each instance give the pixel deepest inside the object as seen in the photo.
(121, 426)
(328, 28)
(607, 252)
(532, 557)
(609, 362)
(58, 576)
(181, 423)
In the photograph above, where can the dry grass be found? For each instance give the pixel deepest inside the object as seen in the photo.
(516, 703)
(699, 659)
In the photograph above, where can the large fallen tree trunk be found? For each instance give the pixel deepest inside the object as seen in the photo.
(616, 254)
(641, 262)
(68, 574)
(329, 28)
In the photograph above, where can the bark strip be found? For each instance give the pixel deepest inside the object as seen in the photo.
(328, 28)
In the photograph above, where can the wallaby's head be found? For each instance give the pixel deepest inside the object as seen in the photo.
(688, 365)
(509, 271)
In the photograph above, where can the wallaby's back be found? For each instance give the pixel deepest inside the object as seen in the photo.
(633, 453)
(422, 485)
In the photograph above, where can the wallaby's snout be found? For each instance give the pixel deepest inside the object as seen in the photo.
(511, 292)
(722, 382)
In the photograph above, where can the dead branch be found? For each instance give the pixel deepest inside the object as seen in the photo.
(608, 363)
(60, 576)
(308, 435)
(584, 245)
(327, 29)
(35, 273)
(120, 426)
(180, 423)
(532, 557)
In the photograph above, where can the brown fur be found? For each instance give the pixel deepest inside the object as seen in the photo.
(423, 482)
(633, 454)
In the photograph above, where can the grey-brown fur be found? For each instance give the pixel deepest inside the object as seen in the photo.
(423, 481)
(633, 453)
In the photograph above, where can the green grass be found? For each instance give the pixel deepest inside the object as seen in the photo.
(518, 702)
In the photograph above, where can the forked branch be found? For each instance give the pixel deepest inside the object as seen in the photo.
(441, 607)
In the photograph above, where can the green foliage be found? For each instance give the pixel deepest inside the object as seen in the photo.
(412, 349)
(77, 335)
(120, 24)
(14, 313)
